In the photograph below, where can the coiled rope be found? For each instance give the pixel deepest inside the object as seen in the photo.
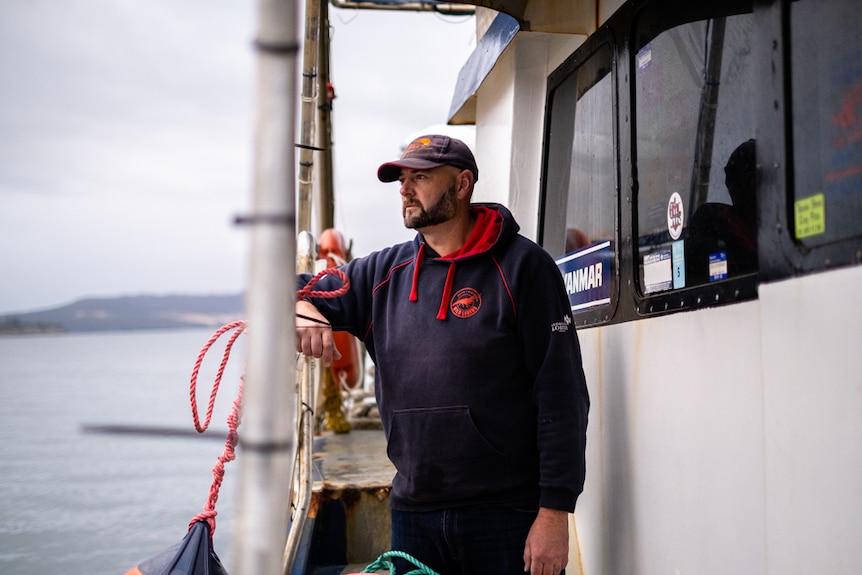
(233, 420)
(309, 291)
(383, 562)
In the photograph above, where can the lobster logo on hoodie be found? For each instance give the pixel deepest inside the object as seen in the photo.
(466, 302)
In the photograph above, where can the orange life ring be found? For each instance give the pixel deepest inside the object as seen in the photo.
(348, 369)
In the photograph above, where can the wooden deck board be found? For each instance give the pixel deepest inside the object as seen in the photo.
(354, 460)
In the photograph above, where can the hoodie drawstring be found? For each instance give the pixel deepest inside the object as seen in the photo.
(420, 257)
(447, 293)
(447, 289)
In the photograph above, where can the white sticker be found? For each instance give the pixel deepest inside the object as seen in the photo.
(658, 274)
(644, 57)
(675, 216)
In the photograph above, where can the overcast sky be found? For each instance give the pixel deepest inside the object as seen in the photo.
(126, 134)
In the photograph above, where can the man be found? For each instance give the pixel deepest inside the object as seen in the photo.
(717, 228)
(479, 378)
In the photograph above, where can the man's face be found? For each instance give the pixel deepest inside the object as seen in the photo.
(428, 197)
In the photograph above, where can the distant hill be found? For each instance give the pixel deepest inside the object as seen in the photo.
(129, 313)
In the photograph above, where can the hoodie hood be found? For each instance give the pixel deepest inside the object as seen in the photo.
(494, 227)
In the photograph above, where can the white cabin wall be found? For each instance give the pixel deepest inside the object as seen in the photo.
(510, 107)
(725, 440)
(675, 453)
(812, 373)
(493, 134)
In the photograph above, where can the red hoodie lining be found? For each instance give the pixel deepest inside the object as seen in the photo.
(485, 233)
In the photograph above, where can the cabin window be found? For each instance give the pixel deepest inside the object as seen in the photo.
(580, 192)
(827, 119)
(695, 152)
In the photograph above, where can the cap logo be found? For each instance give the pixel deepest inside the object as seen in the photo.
(416, 144)
(466, 302)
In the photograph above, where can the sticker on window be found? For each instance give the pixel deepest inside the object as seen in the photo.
(658, 275)
(678, 263)
(587, 275)
(810, 216)
(675, 216)
(644, 57)
(717, 266)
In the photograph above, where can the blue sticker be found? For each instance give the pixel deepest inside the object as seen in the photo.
(678, 259)
(587, 275)
(717, 266)
(644, 57)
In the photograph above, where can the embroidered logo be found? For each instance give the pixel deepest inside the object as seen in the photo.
(562, 326)
(417, 144)
(466, 302)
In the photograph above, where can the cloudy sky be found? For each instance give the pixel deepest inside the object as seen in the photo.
(126, 138)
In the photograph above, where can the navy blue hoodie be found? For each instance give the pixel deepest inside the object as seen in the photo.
(479, 379)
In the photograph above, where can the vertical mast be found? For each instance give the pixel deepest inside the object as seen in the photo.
(267, 441)
(308, 114)
(326, 195)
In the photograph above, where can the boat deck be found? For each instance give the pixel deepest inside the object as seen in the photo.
(352, 460)
(352, 480)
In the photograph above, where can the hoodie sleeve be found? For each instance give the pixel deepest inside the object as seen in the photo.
(553, 359)
(352, 312)
(344, 312)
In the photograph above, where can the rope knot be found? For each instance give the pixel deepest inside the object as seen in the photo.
(209, 513)
(308, 291)
(233, 419)
(383, 562)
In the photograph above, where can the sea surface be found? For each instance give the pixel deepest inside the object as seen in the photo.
(75, 502)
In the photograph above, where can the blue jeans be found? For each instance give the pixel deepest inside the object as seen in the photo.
(463, 541)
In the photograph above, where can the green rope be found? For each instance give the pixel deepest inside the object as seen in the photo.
(383, 563)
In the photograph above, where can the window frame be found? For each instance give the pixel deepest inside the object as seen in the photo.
(551, 222)
(784, 256)
(660, 17)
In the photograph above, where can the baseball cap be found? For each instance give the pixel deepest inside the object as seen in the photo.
(432, 151)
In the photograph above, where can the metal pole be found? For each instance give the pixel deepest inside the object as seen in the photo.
(308, 113)
(326, 196)
(267, 440)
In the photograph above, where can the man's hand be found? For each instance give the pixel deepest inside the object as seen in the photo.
(314, 336)
(547, 548)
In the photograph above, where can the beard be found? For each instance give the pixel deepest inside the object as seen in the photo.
(442, 211)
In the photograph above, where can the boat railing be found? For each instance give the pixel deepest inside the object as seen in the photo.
(308, 374)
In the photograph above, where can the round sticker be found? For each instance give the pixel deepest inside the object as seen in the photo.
(675, 216)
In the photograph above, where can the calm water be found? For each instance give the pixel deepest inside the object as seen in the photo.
(74, 503)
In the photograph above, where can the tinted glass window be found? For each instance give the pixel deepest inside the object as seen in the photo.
(695, 154)
(590, 206)
(580, 189)
(581, 176)
(827, 119)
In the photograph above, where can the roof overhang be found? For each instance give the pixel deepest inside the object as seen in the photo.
(562, 16)
(453, 8)
(554, 16)
(497, 37)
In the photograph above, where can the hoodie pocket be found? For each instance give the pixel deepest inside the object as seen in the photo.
(440, 455)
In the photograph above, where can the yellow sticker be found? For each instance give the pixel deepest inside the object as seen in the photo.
(810, 216)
